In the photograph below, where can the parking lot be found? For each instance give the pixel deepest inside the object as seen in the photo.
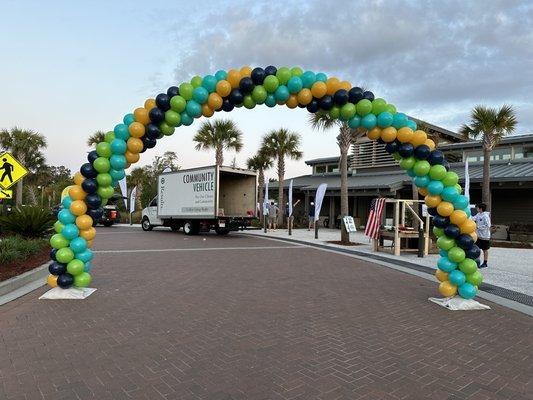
(241, 317)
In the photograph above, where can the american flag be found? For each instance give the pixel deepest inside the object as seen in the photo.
(374, 217)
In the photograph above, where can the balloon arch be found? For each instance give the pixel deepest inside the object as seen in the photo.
(94, 183)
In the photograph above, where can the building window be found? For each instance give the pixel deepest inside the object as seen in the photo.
(454, 157)
(333, 168)
(320, 169)
(523, 152)
(498, 154)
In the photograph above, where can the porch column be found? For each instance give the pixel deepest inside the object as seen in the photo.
(331, 212)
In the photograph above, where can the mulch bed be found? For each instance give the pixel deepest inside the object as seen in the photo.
(18, 267)
(344, 244)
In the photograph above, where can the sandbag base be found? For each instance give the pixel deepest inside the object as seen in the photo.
(457, 303)
(72, 293)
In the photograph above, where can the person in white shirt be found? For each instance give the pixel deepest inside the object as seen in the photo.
(482, 220)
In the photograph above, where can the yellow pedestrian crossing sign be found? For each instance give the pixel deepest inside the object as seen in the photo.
(11, 171)
(6, 194)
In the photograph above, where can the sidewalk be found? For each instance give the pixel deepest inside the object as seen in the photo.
(508, 268)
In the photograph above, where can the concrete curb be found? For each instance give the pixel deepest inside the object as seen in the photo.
(21, 285)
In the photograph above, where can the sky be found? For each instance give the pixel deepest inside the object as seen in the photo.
(69, 68)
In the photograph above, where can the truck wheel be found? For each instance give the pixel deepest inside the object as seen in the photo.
(145, 224)
(190, 228)
(221, 231)
(108, 223)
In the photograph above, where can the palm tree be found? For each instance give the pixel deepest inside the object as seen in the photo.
(26, 146)
(345, 138)
(279, 144)
(219, 135)
(260, 162)
(96, 138)
(492, 125)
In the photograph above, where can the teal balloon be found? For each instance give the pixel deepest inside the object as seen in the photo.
(308, 78)
(354, 122)
(85, 256)
(193, 109)
(422, 181)
(435, 187)
(70, 231)
(369, 121)
(209, 83)
(121, 132)
(186, 119)
(118, 161)
(200, 95)
(128, 119)
(78, 245)
(411, 124)
(468, 212)
(87, 267)
(399, 120)
(295, 84)
(443, 253)
(221, 75)
(460, 202)
(446, 265)
(282, 93)
(457, 277)
(118, 146)
(67, 201)
(321, 77)
(467, 291)
(411, 173)
(66, 217)
(271, 101)
(385, 119)
(117, 175)
(449, 193)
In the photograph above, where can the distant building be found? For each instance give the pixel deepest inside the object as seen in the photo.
(373, 171)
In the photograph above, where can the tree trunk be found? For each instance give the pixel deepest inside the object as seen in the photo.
(345, 236)
(485, 193)
(18, 198)
(281, 174)
(219, 155)
(416, 224)
(260, 193)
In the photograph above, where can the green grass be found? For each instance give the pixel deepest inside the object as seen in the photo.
(15, 248)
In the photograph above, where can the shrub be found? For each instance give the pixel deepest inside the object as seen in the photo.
(14, 248)
(27, 221)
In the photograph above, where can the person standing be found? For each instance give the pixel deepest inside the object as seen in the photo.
(273, 216)
(482, 220)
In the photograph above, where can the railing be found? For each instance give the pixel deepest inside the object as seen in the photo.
(370, 154)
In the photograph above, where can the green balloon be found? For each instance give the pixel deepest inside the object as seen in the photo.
(445, 243)
(348, 111)
(271, 83)
(178, 103)
(378, 106)
(166, 128)
(172, 118)
(458, 188)
(82, 280)
(101, 164)
(105, 192)
(407, 163)
(397, 156)
(186, 91)
(437, 172)
(456, 254)
(438, 231)
(75, 267)
(64, 255)
(421, 168)
(104, 179)
(259, 94)
(58, 241)
(109, 136)
(450, 179)
(196, 81)
(58, 226)
(475, 278)
(335, 112)
(364, 107)
(103, 149)
(468, 266)
(249, 102)
(391, 108)
(296, 71)
(283, 75)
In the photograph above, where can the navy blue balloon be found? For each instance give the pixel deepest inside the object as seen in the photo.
(465, 242)
(57, 268)
(258, 75)
(93, 155)
(88, 171)
(436, 157)
(441, 222)
(246, 85)
(432, 211)
(271, 70)
(227, 105)
(148, 143)
(326, 102)
(152, 131)
(93, 201)
(355, 95)
(368, 95)
(65, 280)
(53, 254)
(422, 152)
(340, 97)
(313, 107)
(95, 214)
(236, 97)
(173, 91)
(406, 150)
(392, 147)
(163, 101)
(473, 252)
(89, 186)
(157, 115)
(452, 231)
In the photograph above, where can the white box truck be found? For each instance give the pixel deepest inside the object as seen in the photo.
(201, 199)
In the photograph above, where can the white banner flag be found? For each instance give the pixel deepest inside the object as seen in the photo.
(133, 198)
(467, 181)
(265, 201)
(124, 191)
(320, 192)
(290, 198)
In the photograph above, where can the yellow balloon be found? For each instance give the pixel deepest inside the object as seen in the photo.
(292, 101)
(405, 134)
(432, 200)
(84, 222)
(445, 208)
(319, 89)
(333, 85)
(206, 111)
(141, 115)
(136, 129)
(223, 88)
(78, 178)
(149, 104)
(90, 243)
(374, 133)
(234, 78)
(65, 191)
(468, 226)
(441, 275)
(345, 85)
(418, 138)
(88, 234)
(51, 280)
(447, 289)
(458, 217)
(305, 96)
(76, 192)
(132, 157)
(214, 101)
(388, 134)
(246, 71)
(135, 145)
(430, 143)
(78, 207)
(423, 191)
(474, 236)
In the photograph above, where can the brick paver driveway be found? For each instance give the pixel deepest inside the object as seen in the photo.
(255, 319)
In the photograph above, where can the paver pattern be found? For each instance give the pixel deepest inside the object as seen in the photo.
(282, 322)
